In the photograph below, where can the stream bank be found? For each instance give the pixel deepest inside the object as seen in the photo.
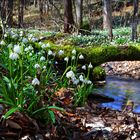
(123, 69)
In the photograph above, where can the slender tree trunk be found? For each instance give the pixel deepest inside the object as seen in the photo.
(135, 20)
(107, 16)
(41, 2)
(68, 16)
(10, 13)
(79, 9)
(20, 13)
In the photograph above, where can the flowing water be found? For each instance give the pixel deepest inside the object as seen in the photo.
(121, 90)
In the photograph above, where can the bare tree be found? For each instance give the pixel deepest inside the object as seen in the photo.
(135, 20)
(10, 13)
(68, 16)
(20, 13)
(79, 9)
(107, 16)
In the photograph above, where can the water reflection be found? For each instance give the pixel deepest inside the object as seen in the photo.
(121, 90)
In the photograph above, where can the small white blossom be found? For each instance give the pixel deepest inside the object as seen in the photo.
(26, 49)
(81, 78)
(66, 59)
(5, 35)
(60, 52)
(81, 57)
(50, 52)
(73, 58)
(30, 54)
(13, 56)
(84, 67)
(70, 74)
(35, 81)
(33, 39)
(44, 67)
(42, 58)
(87, 81)
(73, 51)
(36, 66)
(56, 62)
(17, 49)
(24, 40)
(90, 66)
(2, 42)
(75, 81)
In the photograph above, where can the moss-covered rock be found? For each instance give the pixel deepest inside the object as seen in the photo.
(98, 74)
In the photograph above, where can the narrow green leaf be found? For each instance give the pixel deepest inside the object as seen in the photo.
(52, 116)
(11, 111)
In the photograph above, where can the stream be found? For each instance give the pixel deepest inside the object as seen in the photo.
(121, 90)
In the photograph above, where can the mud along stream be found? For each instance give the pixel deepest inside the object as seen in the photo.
(121, 90)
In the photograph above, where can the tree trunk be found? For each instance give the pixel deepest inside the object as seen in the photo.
(10, 13)
(135, 20)
(79, 9)
(107, 17)
(68, 16)
(20, 13)
(41, 2)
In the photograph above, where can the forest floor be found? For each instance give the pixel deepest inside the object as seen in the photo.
(90, 122)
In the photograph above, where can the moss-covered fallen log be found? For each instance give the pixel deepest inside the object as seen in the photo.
(99, 55)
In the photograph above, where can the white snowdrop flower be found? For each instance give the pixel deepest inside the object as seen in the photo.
(15, 36)
(70, 74)
(42, 58)
(60, 52)
(10, 46)
(21, 32)
(88, 82)
(13, 56)
(5, 35)
(50, 62)
(26, 49)
(73, 58)
(30, 54)
(56, 62)
(90, 66)
(36, 66)
(44, 67)
(81, 57)
(50, 52)
(30, 36)
(35, 81)
(2, 42)
(40, 43)
(33, 39)
(75, 81)
(84, 67)
(66, 59)
(73, 51)
(30, 47)
(17, 49)
(81, 78)
(24, 40)
(43, 46)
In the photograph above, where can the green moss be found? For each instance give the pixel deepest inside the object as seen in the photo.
(99, 74)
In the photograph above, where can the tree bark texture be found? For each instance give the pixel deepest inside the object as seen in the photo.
(107, 16)
(10, 13)
(79, 9)
(68, 16)
(20, 13)
(135, 20)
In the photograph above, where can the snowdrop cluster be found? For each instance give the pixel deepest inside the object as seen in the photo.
(14, 54)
